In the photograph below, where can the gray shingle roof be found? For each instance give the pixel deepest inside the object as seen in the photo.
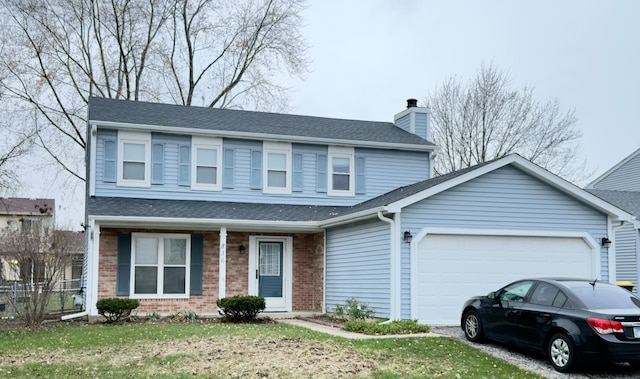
(626, 200)
(231, 120)
(129, 207)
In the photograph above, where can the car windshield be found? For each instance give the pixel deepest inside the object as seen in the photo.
(606, 297)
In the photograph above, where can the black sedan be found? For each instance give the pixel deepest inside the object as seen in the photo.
(568, 320)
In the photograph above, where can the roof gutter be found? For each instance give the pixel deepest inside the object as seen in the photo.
(206, 223)
(357, 216)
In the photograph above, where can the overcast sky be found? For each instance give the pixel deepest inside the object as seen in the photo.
(369, 56)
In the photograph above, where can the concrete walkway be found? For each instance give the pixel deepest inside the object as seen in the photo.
(338, 332)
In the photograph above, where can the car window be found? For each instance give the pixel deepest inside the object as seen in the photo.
(544, 294)
(515, 292)
(603, 296)
(561, 301)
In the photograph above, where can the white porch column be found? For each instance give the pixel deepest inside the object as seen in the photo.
(91, 295)
(222, 274)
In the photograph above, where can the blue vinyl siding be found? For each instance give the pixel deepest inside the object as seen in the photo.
(404, 123)
(624, 178)
(358, 266)
(422, 124)
(242, 182)
(504, 199)
(627, 255)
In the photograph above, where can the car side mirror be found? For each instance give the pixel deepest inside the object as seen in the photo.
(492, 295)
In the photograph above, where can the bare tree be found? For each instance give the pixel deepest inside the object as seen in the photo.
(222, 53)
(486, 119)
(36, 254)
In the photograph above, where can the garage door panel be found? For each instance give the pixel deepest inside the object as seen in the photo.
(452, 268)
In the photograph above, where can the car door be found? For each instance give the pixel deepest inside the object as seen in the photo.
(537, 314)
(501, 320)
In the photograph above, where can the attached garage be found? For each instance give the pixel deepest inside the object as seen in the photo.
(450, 268)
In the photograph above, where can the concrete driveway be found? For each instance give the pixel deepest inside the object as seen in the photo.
(539, 364)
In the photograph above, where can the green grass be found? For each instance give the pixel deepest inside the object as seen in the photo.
(204, 350)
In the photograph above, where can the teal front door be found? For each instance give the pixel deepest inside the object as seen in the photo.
(270, 271)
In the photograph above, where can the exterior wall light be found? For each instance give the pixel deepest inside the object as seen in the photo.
(606, 242)
(242, 249)
(407, 237)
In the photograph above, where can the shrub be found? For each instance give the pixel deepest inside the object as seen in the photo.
(184, 316)
(393, 327)
(241, 308)
(354, 310)
(114, 309)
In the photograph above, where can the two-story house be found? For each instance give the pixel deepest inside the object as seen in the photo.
(186, 205)
(620, 185)
(18, 215)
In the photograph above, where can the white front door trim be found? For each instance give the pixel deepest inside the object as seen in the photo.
(287, 279)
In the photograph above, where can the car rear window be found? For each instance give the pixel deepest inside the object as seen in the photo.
(606, 297)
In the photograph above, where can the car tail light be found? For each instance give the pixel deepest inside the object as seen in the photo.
(602, 326)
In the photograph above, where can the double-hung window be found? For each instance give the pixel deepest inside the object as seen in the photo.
(206, 172)
(134, 156)
(277, 167)
(160, 265)
(341, 171)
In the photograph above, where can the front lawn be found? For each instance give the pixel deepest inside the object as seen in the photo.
(214, 350)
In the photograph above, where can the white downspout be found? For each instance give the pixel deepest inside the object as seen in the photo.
(222, 271)
(393, 314)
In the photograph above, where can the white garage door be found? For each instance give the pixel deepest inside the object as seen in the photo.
(453, 268)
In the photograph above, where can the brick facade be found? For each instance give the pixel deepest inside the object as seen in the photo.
(308, 261)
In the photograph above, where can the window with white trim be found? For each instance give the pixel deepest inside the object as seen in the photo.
(277, 167)
(341, 171)
(206, 171)
(134, 157)
(160, 265)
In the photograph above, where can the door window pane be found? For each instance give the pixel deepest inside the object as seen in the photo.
(270, 259)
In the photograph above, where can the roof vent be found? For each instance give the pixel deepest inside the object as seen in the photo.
(412, 103)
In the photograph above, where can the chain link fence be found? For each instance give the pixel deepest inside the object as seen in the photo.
(66, 297)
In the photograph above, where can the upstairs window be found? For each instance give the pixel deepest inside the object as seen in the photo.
(206, 171)
(341, 172)
(277, 172)
(134, 156)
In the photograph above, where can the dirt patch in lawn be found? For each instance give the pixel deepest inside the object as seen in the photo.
(223, 356)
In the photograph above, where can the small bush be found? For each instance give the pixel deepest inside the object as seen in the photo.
(114, 309)
(354, 310)
(241, 308)
(152, 317)
(393, 327)
(184, 316)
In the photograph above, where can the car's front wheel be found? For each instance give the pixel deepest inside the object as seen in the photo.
(561, 352)
(472, 326)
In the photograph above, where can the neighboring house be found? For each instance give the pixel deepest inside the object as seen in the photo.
(186, 205)
(620, 186)
(21, 214)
